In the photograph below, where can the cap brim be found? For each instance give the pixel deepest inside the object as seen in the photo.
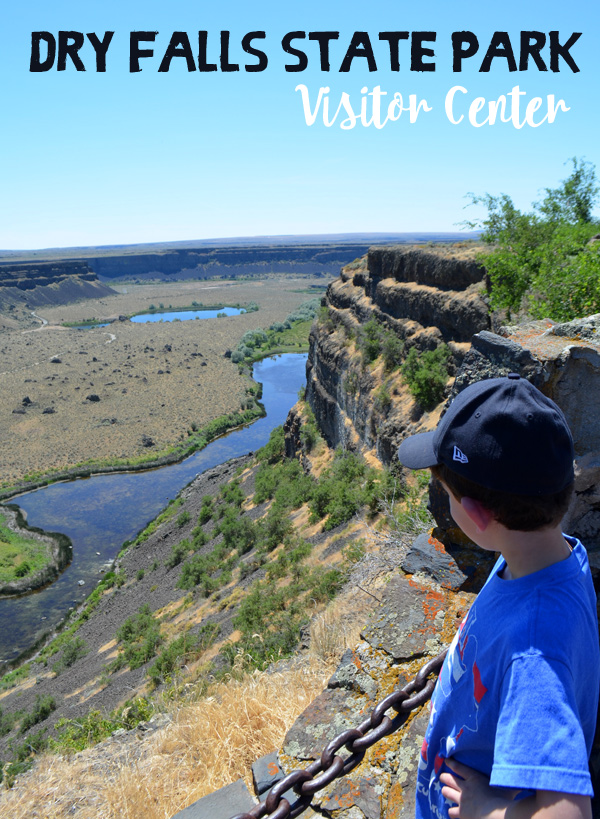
(417, 451)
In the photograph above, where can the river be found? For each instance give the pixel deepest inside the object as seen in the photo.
(101, 512)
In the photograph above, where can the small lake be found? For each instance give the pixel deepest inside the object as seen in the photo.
(101, 512)
(187, 315)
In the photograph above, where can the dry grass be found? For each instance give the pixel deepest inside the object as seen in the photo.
(207, 745)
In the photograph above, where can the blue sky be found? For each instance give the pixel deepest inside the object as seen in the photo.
(119, 157)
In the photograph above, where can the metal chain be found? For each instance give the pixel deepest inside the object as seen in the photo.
(316, 776)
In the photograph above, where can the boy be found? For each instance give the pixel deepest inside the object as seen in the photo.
(514, 711)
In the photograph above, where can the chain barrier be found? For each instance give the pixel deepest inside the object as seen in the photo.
(307, 781)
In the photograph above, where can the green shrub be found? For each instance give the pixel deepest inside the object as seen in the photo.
(181, 650)
(44, 706)
(206, 510)
(369, 341)
(183, 518)
(426, 374)
(179, 551)
(382, 398)
(139, 636)
(72, 651)
(391, 351)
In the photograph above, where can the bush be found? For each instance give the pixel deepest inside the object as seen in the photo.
(42, 709)
(427, 374)
(382, 398)
(542, 260)
(179, 551)
(391, 351)
(72, 651)
(206, 510)
(183, 518)
(140, 637)
(370, 341)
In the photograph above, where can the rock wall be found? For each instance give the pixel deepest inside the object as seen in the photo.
(425, 297)
(424, 601)
(39, 283)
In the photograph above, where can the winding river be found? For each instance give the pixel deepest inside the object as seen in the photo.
(101, 512)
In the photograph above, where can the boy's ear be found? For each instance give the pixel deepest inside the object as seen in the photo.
(478, 513)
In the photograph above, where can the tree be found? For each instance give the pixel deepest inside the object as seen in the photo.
(543, 261)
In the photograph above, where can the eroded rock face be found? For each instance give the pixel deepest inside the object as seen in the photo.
(425, 298)
(563, 361)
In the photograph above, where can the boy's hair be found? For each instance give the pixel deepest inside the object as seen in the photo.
(523, 513)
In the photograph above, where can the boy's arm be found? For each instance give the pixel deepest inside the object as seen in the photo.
(476, 799)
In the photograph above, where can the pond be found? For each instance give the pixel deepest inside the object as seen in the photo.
(187, 315)
(101, 512)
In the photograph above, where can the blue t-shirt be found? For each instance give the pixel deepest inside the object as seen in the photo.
(517, 697)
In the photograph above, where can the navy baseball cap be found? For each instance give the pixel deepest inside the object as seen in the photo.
(501, 433)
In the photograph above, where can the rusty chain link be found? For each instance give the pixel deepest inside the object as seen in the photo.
(307, 781)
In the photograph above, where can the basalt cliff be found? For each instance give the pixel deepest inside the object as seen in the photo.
(425, 298)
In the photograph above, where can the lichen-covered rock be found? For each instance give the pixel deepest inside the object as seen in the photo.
(415, 619)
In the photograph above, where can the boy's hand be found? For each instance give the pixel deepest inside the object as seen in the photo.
(476, 799)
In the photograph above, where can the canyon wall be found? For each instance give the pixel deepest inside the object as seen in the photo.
(425, 297)
(37, 283)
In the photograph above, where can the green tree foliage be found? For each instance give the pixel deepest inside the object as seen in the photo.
(426, 374)
(543, 261)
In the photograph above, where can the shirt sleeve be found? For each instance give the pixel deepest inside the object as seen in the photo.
(539, 740)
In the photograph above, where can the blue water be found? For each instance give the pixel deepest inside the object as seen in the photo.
(101, 512)
(185, 315)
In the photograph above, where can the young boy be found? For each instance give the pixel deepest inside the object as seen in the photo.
(514, 711)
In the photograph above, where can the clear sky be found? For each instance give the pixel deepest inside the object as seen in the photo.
(89, 158)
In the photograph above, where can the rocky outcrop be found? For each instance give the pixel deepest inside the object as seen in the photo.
(425, 297)
(39, 283)
(563, 361)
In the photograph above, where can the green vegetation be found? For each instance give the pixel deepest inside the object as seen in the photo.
(72, 651)
(20, 555)
(75, 735)
(426, 374)
(180, 651)
(289, 336)
(139, 637)
(376, 340)
(42, 709)
(542, 261)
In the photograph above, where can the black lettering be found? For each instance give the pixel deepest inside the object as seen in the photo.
(500, 46)
(557, 50)
(464, 45)
(202, 64)
(36, 63)
(263, 60)
(418, 50)
(295, 52)
(360, 46)
(179, 46)
(324, 38)
(69, 43)
(532, 43)
(100, 47)
(225, 64)
(393, 38)
(135, 52)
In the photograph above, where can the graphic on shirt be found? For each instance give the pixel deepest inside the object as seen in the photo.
(460, 677)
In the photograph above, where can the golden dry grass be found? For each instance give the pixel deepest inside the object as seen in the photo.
(207, 745)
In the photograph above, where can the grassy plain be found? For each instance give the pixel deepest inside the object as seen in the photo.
(19, 555)
(72, 396)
